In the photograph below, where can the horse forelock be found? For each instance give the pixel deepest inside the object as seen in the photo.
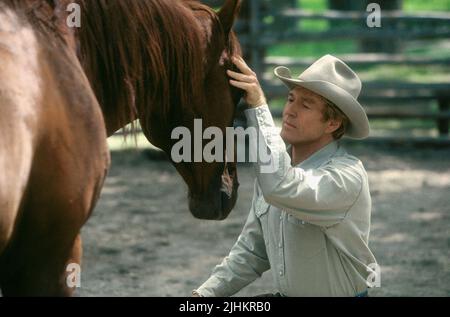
(143, 58)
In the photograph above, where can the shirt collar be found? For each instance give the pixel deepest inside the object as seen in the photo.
(319, 157)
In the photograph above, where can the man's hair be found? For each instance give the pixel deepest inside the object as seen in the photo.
(332, 112)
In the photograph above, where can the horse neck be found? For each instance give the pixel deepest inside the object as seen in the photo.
(143, 59)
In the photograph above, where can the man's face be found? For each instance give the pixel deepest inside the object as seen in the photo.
(303, 118)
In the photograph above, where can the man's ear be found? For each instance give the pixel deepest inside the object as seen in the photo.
(228, 14)
(333, 125)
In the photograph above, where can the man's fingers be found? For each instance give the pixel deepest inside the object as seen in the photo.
(241, 85)
(243, 67)
(242, 77)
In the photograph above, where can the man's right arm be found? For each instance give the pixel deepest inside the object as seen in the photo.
(246, 262)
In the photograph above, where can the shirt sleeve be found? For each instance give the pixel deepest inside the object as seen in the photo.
(319, 196)
(246, 261)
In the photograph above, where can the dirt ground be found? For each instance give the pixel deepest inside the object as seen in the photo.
(142, 240)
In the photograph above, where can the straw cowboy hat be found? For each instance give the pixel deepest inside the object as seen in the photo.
(334, 80)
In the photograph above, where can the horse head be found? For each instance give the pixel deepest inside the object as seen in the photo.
(164, 63)
(213, 186)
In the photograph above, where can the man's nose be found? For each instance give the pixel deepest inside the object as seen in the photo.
(289, 111)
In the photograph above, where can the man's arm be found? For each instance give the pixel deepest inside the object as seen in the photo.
(245, 263)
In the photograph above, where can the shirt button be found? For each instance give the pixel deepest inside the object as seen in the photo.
(281, 273)
(280, 245)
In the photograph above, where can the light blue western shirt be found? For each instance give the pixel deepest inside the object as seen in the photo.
(309, 224)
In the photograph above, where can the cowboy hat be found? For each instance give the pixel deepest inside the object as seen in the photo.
(334, 80)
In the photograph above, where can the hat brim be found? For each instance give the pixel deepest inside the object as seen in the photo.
(359, 127)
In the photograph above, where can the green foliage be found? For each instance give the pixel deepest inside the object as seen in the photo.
(418, 74)
(408, 5)
(429, 5)
(312, 49)
(313, 5)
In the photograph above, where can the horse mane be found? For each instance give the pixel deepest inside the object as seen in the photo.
(143, 58)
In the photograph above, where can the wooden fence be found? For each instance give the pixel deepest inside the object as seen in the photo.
(256, 35)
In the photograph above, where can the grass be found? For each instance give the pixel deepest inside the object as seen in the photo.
(314, 25)
(313, 5)
(403, 124)
(430, 5)
(408, 5)
(428, 49)
(299, 49)
(418, 74)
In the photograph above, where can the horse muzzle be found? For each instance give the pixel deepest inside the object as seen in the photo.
(217, 203)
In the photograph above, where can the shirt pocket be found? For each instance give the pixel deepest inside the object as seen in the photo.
(304, 240)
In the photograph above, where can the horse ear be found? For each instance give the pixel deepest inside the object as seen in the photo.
(228, 13)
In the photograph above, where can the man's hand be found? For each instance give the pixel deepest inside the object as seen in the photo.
(247, 81)
(195, 294)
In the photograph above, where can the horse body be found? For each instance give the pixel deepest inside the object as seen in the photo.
(57, 109)
(54, 157)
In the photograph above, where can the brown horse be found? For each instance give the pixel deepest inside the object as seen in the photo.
(162, 62)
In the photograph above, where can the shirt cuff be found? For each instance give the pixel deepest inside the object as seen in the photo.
(259, 117)
(214, 287)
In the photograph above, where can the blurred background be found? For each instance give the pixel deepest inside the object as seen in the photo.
(404, 64)
(142, 240)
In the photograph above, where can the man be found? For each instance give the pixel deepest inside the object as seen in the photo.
(310, 218)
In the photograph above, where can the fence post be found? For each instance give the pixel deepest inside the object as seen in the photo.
(255, 49)
(443, 124)
(285, 24)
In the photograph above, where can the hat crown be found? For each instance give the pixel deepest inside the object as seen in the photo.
(333, 70)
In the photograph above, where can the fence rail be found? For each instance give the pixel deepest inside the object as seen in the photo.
(391, 16)
(358, 60)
